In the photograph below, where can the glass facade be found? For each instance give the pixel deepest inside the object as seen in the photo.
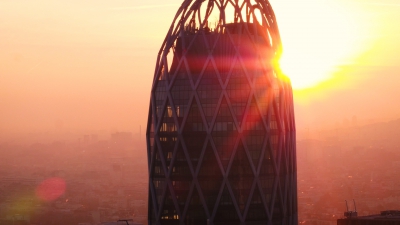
(221, 132)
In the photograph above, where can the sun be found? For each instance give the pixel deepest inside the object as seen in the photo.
(317, 37)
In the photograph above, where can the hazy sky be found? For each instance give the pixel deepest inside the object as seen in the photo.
(88, 65)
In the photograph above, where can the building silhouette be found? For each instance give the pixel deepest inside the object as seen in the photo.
(387, 217)
(221, 131)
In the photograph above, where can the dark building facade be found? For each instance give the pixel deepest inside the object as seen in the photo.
(388, 217)
(221, 131)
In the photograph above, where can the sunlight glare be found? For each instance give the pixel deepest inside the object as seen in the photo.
(317, 37)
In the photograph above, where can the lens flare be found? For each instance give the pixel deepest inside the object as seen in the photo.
(51, 189)
(317, 37)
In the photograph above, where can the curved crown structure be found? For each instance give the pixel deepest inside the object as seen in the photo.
(221, 131)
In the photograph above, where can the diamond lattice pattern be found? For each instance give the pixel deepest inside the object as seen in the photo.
(222, 143)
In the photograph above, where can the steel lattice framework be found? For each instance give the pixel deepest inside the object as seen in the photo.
(221, 131)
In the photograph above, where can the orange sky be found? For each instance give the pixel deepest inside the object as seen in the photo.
(89, 65)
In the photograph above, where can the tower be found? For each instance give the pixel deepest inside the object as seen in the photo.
(221, 131)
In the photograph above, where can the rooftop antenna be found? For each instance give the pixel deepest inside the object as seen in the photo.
(355, 208)
(348, 213)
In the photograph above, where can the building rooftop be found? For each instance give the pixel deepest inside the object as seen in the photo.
(392, 216)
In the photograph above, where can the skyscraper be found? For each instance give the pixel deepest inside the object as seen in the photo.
(221, 131)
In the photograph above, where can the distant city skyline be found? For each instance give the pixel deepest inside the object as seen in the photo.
(369, 159)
